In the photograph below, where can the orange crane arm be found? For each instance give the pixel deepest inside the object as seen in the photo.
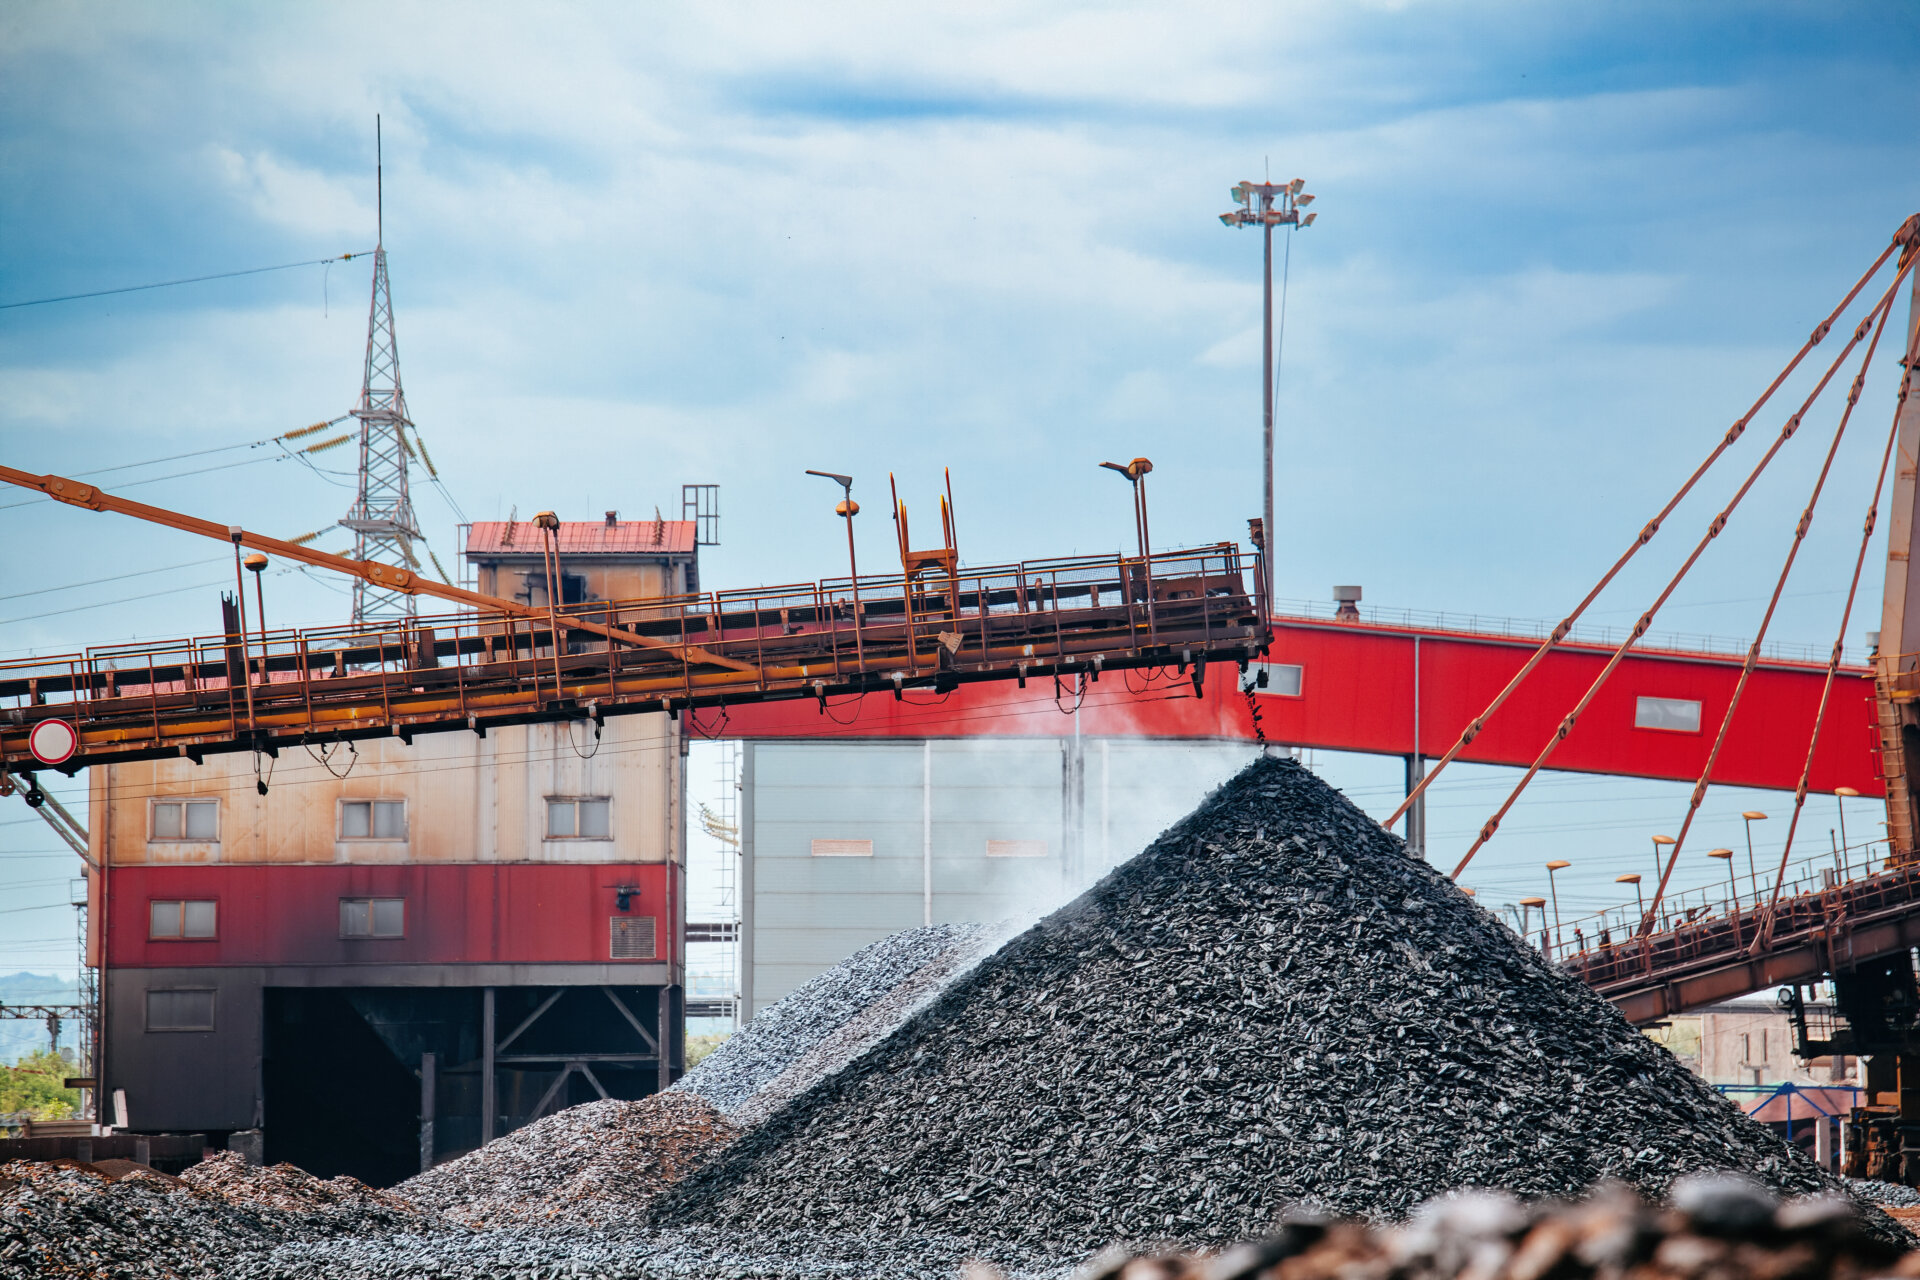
(391, 577)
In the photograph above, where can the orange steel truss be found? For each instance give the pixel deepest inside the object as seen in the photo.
(499, 666)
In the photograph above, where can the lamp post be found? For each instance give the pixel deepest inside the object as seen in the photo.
(1268, 205)
(1752, 816)
(1526, 904)
(1840, 795)
(256, 565)
(848, 509)
(1733, 885)
(1659, 842)
(1633, 878)
(1557, 865)
(1136, 474)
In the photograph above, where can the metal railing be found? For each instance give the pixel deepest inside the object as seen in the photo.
(1537, 629)
(235, 691)
(1704, 925)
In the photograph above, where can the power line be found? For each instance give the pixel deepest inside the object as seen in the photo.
(177, 475)
(168, 284)
(118, 577)
(102, 604)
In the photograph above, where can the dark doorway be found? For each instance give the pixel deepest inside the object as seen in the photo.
(337, 1099)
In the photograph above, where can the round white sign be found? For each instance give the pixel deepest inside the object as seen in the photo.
(53, 742)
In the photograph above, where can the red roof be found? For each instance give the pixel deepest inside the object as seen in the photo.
(490, 538)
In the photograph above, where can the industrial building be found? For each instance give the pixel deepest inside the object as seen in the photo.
(845, 842)
(393, 951)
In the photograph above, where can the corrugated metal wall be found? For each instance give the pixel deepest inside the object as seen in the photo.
(960, 831)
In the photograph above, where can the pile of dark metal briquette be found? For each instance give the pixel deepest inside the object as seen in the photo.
(1272, 1006)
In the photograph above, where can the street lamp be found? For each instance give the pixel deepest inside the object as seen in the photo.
(1752, 816)
(1558, 864)
(1633, 878)
(1136, 474)
(1658, 843)
(1268, 205)
(1733, 885)
(1527, 904)
(848, 509)
(1840, 795)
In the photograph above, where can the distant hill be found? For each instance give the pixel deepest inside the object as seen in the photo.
(19, 1037)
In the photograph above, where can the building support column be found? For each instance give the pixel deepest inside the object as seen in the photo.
(427, 1092)
(1417, 814)
(1073, 799)
(489, 1104)
(926, 831)
(664, 1025)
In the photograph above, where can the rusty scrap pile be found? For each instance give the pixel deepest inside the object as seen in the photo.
(284, 1187)
(597, 1164)
(63, 1218)
(1719, 1226)
(1271, 1006)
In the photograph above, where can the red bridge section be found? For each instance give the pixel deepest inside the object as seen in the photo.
(1403, 690)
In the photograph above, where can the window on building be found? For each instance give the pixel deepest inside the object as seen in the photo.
(843, 848)
(373, 917)
(186, 820)
(630, 937)
(180, 1009)
(1016, 848)
(1283, 678)
(174, 918)
(373, 819)
(1681, 715)
(581, 818)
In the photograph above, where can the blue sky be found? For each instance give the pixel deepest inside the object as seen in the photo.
(1560, 247)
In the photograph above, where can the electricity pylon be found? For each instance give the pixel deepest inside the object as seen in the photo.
(381, 518)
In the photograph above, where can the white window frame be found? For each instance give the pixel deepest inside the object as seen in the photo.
(181, 905)
(368, 903)
(1276, 682)
(1660, 707)
(153, 820)
(340, 818)
(213, 1010)
(832, 848)
(575, 802)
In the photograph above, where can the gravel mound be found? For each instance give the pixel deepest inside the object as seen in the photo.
(806, 1017)
(1719, 1226)
(596, 1164)
(1891, 1194)
(553, 1252)
(1272, 1005)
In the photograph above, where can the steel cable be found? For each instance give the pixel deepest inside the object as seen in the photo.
(1701, 787)
(1645, 621)
(1647, 533)
(1765, 932)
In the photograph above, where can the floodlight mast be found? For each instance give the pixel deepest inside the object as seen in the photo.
(1278, 204)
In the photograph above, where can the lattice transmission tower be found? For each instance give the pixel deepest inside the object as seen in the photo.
(381, 518)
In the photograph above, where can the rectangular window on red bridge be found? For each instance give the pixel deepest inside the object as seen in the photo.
(1676, 715)
(1283, 678)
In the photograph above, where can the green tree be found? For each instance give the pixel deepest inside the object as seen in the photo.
(33, 1085)
(698, 1047)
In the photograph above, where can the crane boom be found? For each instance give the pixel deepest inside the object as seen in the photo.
(391, 577)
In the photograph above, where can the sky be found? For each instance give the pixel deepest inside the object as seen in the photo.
(1559, 249)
